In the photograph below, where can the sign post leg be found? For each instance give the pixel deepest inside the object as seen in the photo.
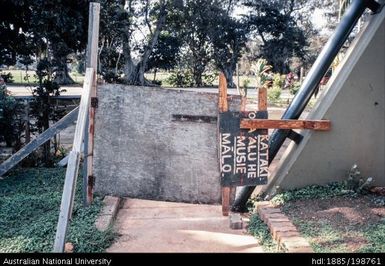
(224, 107)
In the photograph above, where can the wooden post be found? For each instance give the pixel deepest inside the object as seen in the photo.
(262, 99)
(73, 165)
(85, 164)
(92, 62)
(224, 107)
(243, 103)
(226, 201)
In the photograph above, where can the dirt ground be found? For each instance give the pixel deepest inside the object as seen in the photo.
(339, 224)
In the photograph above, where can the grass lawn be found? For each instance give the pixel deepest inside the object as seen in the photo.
(22, 77)
(341, 223)
(29, 206)
(250, 81)
(332, 218)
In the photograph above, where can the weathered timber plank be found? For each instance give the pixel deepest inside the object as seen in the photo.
(321, 125)
(223, 104)
(224, 107)
(38, 141)
(73, 165)
(262, 106)
(262, 99)
(63, 162)
(66, 205)
(226, 191)
(83, 107)
(93, 35)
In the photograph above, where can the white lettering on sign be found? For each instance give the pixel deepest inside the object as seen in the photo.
(263, 160)
(226, 152)
(240, 155)
(252, 150)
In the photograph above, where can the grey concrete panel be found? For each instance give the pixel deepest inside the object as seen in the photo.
(141, 152)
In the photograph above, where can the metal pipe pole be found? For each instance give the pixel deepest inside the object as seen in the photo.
(318, 70)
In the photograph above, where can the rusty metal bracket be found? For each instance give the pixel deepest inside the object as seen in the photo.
(94, 102)
(195, 118)
(91, 180)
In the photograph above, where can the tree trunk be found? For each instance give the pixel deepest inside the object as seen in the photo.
(129, 69)
(134, 74)
(228, 72)
(151, 44)
(197, 75)
(62, 76)
(155, 70)
(140, 74)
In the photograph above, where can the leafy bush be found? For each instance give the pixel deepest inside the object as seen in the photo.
(43, 106)
(8, 77)
(311, 192)
(110, 76)
(278, 81)
(208, 79)
(274, 94)
(356, 181)
(294, 88)
(246, 83)
(263, 73)
(29, 206)
(10, 121)
(181, 78)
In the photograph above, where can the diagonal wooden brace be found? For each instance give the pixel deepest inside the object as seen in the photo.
(320, 125)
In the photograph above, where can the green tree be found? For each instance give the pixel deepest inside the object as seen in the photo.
(43, 29)
(154, 17)
(114, 22)
(140, 23)
(209, 34)
(43, 105)
(228, 36)
(59, 29)
(277, 24)
(196, 22)
(10, 122)
(14, 42)
(165, 54)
